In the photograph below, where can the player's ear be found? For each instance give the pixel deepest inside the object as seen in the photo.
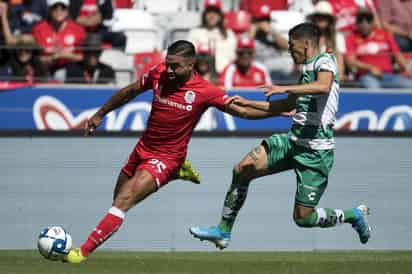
(307, 43)
(191, 62)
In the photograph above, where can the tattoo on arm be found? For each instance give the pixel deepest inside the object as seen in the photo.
(254, 154)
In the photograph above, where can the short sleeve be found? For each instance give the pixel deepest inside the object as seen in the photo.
(146, 81)
(217, 98)
(326, 63)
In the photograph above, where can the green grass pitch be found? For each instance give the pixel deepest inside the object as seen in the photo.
(348, 262)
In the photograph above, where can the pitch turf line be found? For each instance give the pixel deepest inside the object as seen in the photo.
(357, 262)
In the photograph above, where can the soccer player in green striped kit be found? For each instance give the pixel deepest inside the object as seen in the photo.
(308, 147)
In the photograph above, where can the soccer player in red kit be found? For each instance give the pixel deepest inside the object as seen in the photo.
(180, 97)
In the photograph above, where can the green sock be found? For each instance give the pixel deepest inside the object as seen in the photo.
(349, 215)
(235, 197)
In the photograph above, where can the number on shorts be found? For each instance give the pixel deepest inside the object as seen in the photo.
(160, 166)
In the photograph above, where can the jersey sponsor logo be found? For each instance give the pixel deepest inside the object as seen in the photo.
(190, 96)
(69, 39)
(372, 48)
(172, 103)
(257, 77)
(312, 196)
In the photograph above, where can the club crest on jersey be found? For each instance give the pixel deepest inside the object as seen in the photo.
(190, 97)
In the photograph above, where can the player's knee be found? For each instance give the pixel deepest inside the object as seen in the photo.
(301, 222)
(303, 218)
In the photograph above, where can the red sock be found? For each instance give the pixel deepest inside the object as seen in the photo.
(106, 228)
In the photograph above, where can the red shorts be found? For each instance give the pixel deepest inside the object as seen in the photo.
(162, 170)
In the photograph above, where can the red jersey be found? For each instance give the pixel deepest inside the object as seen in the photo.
(257, 75)
(345, 12)
(175, 112)
(70, 36)
(376, 49)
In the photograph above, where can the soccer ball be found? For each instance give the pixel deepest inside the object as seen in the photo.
(54, 242)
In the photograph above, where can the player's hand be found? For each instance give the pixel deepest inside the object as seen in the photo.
(375, 71)
(274, 89)
(92, 124)
(408, 73)
(240, 101)
(288, 113)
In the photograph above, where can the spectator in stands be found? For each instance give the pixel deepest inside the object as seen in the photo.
(370, 51)
(24, 64)
(396, 16)
(11, 28)
(92, 15)
(345, 12)
(60, 37)
(330, 40)
(28, 13)
(271, 47)
(245, 72)
(213, 33)
(90, 70)
(204, 64)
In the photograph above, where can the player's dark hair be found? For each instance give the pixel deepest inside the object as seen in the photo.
(307, 31)
(183, 48)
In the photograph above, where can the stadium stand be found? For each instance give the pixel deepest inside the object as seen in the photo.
(143, 61)
(160, 7)
(283, 20)
(178, 25)
(140, 28)
(121, 63)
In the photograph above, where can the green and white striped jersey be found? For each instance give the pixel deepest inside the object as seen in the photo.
(316, 113)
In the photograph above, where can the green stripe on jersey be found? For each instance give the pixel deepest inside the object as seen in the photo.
(315, 113)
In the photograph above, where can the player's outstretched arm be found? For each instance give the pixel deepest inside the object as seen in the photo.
(118, 99)
(321, 85)
(251, 109)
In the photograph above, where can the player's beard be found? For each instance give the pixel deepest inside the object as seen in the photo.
(179, 79)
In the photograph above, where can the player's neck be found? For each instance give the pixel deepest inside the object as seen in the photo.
(311, 54)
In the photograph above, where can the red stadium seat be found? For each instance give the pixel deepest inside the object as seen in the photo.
(144, 61)
(238, 21)
(123, 4)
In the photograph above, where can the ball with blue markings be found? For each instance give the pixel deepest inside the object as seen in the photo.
(54, 243)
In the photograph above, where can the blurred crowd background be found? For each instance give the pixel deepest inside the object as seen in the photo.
(240, 43)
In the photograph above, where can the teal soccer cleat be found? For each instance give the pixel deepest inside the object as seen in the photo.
(212, 234)
(361, 223)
